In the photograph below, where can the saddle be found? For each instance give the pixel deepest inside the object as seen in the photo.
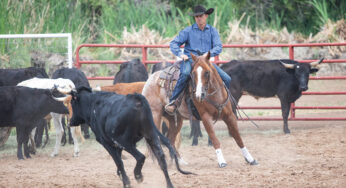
(168, 79)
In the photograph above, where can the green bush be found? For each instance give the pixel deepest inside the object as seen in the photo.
(90, 20)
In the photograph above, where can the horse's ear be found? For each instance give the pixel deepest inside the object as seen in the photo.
(194, 58)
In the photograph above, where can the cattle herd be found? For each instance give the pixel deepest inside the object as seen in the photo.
(118, 115)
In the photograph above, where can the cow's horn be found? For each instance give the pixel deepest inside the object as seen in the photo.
(315, 63)
(64, 91)
(288, 66)
(60, 99)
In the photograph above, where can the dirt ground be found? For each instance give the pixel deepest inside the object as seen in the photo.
(313, 155)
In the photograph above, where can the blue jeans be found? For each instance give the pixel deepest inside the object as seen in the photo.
(185, 70)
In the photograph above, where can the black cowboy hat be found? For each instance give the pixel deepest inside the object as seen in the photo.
(199, 10)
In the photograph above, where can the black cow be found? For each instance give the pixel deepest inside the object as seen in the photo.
(79, 79)
(118, 123)
(23, 107)
(132, 71)
(283, 78)
(160, 66)
(11, 77)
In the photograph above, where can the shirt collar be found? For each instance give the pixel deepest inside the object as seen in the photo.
(195, 26)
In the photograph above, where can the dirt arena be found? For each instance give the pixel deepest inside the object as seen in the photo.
(313, 155)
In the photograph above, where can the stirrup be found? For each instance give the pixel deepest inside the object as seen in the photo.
(171, 104)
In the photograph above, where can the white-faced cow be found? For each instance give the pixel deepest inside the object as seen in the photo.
(286, 79)
(79, 79)
(23, 107)
(46, 83)
(118, 123)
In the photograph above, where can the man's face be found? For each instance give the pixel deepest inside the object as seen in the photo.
(201, 20)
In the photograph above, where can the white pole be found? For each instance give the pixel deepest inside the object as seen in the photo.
(69, 50)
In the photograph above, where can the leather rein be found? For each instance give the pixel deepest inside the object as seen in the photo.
(218, 106)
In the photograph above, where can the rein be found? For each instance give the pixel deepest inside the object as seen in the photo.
(218, 106)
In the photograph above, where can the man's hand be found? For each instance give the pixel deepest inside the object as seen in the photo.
(184, 57)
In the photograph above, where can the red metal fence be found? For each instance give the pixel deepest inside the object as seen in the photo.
(291, 56)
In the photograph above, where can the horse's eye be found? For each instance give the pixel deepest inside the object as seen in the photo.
(206, 74)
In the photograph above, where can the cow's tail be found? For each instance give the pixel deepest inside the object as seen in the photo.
(164, 140)
(143, 105)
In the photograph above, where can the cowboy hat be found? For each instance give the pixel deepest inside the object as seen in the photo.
(199, 10)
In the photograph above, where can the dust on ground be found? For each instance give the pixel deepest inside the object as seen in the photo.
(313, 155)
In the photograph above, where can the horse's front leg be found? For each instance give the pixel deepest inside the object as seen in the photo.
(208, 125)
(232, 125)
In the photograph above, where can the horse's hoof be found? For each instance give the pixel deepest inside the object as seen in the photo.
(127, 185)
(222, 165)
(139, 178)
(53, 154)
(254, 162)
(287, 131)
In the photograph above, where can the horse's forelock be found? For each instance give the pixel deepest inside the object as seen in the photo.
(204, 63)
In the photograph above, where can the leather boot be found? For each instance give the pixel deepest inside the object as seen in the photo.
(171, 108)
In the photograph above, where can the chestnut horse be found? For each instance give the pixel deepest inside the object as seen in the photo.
(209, 96)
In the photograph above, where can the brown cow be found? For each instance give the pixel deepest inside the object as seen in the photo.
(123, 88)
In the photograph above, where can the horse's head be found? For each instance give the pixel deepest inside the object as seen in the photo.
(201, 72)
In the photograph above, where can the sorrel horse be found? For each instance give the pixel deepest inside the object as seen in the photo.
(209, 96)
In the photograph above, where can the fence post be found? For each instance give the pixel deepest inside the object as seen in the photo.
(77, 57)
(144, 56)
(293, 110)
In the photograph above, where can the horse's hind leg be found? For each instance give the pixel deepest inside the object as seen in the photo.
(174, 135)
(232, 125)
(207, 122)
(157, 117)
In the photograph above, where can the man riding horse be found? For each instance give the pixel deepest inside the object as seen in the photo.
(198, 38)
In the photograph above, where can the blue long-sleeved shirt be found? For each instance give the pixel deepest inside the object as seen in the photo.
(196, 39)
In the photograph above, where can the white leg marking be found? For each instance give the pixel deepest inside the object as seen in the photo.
(220, 158)
(75, 141)
(58, 131)
(199, 83)
(247, 155)
(32, 136)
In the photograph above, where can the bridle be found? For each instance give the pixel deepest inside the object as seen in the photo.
(218, 106)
